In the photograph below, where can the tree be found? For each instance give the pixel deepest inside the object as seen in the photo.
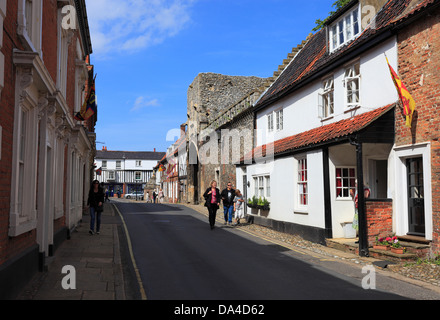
(337, 5)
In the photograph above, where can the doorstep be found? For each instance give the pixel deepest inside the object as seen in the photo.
(414, 250)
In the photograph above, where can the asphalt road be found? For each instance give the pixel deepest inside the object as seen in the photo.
(180, 258)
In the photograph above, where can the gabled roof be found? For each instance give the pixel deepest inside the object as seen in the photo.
(315, 58)
(328, 133)
(129, 155)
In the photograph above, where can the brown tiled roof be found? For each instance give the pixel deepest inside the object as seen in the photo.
(314, 57)
(318, 135)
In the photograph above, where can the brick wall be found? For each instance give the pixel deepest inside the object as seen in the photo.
(419, 67)
(50, 37)
(379, 219)
(9, 247)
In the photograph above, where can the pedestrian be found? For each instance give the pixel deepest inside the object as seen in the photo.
(154, 196)
(147, 197)
(238, 206)
(161, 196)
(95, 205)
(354, 196)
(212, 197)
(106, 195)
(228, 196)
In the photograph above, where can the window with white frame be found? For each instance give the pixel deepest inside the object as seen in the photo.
(137, 175)
(111, 175)
(279, 120)
(345, 29)
(303, 197)
(21, 160)
(345, 181)
(326, 98)
(270, 122)
(62, 62)
(23, 195)
(262, 186)
(352, 82)
(104, 164)
(267, 182)
(29, 23)
(138, 163)
(118, 164)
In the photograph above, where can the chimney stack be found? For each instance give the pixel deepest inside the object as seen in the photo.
(182, 130)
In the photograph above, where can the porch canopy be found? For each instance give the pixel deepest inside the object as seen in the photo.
(376, 126)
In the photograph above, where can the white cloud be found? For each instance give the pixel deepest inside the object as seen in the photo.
(134, 24)
(141, 103)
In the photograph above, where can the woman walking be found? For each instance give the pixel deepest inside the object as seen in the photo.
(95, 204)
(212, 197)
(238, 206)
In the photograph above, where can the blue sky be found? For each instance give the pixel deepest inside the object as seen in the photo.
(146, 53)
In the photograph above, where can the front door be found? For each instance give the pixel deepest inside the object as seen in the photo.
(416, 202)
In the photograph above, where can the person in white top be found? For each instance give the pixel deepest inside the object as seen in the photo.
(238, 206)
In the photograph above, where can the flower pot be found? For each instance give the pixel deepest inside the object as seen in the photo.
(381, 247)
(397, 250)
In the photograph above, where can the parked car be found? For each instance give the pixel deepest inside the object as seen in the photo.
(135, 195)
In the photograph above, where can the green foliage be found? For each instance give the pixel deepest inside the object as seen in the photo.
(337, 5)
(260, 202)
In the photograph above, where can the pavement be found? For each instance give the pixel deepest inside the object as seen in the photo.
(97, 272)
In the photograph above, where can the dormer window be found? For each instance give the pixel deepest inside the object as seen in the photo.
(345, 29)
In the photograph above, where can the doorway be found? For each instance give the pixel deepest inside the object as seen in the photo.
(378, 179)
(416, 198)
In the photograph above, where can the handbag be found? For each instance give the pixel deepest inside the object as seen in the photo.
(99, 208)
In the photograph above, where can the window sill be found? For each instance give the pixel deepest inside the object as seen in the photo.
(301, 211)
(327, 118)
(351, 109)
(344, 199)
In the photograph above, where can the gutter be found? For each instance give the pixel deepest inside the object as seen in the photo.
(84, 26)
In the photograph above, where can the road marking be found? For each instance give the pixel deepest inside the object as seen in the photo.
(130, 248)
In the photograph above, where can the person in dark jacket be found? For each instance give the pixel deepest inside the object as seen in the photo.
(212, 197)
(95, 203)
(228, 196)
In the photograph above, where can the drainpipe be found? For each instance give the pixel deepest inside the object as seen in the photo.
(363, 238)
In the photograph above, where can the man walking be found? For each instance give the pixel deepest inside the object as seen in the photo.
(228, 196)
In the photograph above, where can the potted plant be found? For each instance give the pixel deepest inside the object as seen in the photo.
(263, 204)
(252, 203)
(382, 243)
(396, 246)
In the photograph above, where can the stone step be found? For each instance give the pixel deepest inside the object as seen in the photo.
(414, 251)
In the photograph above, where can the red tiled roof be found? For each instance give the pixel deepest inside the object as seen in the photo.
(314, 56)
(322, 134)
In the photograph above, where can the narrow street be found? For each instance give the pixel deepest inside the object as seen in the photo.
(180, 258)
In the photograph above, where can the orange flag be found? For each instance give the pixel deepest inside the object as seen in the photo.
(409, 105)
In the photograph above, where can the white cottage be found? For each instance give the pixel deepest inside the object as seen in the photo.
(325, 122)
